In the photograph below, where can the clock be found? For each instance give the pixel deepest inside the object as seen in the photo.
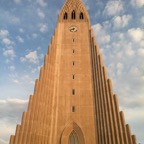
(73, 29)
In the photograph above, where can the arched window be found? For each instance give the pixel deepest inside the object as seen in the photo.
(73, 138)
(65, 16)
(73, 15)
(81, 16)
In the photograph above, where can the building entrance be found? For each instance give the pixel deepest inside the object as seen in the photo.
(73, 138)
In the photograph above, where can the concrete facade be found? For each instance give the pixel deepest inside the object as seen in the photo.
(73, 97)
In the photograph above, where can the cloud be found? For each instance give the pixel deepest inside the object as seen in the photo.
(14, 101)
(14, 19)
(21, 30)
(10, 114)
(4, 36)
(20, 39)
(34, 35)
(15, 81)
(129, 50)
(34, 70)
(30, 57)
(41, 56)
(11, 68)
(9, 107)
(142, 19)
(8, 17)
(132, 102)
(134, 71)
(40, 14)
(120, 68)
(3, 141)
(141, 52)
(97, 28)
(9, 53)
(28, 79)
(17, 1)
(121, 21)
(7, 41)
(43, 28)
(137, 3)
(101, 34)
(41, 3)
(137, 34)
(113, 7)
(4, 33)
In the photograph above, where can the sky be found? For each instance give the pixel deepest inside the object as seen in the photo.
(26, 28)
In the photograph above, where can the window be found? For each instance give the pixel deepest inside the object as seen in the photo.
(65, 16)
(81, 16)
(73, 77)
(73, 91)
(73, 108)
(73, 51)
(73, 63)
(73, 15)
(73, 138)
(73, 39)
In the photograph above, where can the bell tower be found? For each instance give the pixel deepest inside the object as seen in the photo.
(73, 100)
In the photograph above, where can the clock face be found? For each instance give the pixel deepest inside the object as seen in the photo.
(73, 29)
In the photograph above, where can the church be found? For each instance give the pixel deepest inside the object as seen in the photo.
(73, 100)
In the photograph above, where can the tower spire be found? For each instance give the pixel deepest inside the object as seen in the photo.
(73, 99)
(75, 6)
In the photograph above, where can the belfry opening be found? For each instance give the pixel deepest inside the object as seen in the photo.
(73, 14)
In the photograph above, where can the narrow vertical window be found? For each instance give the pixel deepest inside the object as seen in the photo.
(73, 51)
(73, 91)
(73, 39)
(73, 77)
(65, 16)
(73, 63)
(73, 108)
(81, 16)
(73, 15)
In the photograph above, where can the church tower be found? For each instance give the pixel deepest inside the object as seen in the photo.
(73, 100)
